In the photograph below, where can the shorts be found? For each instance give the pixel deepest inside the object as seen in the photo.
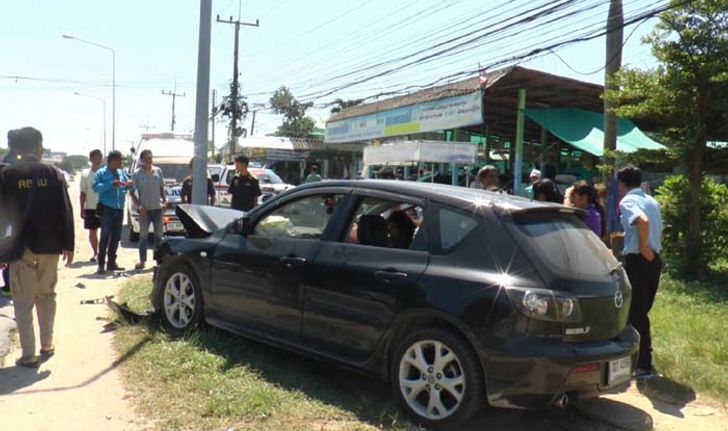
(91, 221)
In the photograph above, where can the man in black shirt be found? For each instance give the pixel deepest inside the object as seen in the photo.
(244, 187)
(186, 191)
(41, 228)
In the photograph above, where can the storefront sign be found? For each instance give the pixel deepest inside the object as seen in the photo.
(444, 114)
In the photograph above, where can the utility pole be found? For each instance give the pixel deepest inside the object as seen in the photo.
(252, 124)
(213, 113)
(174, 95)
(615, 25)
(235, 88)
(199, 165)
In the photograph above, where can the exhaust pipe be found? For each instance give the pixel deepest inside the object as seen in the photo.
(562, 401)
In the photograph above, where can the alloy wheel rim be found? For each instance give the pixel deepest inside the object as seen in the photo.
(431, 379)
(179, 300)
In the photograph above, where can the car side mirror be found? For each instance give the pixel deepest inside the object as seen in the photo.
(242, 226)
(215, 178)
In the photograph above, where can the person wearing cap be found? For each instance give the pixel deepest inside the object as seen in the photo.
(112, 185)
(244, 187)
(40, 228)
(534, 177)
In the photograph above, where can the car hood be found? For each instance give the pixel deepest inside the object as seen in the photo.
(203, 220)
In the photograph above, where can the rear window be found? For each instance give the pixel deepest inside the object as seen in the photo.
(565, 244)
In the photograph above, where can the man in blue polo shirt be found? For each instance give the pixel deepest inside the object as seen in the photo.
(111, 183)
(642, 223)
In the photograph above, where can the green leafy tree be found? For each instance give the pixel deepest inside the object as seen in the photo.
(77, 162)
(295, 121)
(686, 96)
(340, 104)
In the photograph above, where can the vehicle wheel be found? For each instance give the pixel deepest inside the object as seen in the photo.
(437, 378)
(181, 299)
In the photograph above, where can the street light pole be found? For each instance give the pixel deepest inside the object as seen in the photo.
(113, 82)
(103, 102)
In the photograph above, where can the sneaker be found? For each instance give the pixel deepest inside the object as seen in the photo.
(643, 374)
(139, 266)
(100, 271)
(114, 267)
(28, 362)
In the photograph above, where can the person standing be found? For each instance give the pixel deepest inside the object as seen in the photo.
(10, 158)
(642, 222)
(534, 177)
(488, 179)
(37, 194)
(150, 200)
(111, 183)
(186, 192)
(244, 187)
(89, 201)
(583, 196)
(314, 176)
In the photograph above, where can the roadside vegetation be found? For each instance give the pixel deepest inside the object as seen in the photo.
(212, 380)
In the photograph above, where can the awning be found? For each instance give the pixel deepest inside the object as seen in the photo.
(585, 130)
(267, 142)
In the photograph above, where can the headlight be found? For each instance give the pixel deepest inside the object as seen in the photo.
(544, 304)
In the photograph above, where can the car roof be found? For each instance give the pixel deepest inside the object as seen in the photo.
(453, 195)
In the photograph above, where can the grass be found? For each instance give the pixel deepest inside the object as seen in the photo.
(212, 380)
(690, 334)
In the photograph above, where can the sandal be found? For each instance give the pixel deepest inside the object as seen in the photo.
(28, 362)
(47, 353)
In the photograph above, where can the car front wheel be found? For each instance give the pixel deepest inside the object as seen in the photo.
(437, 378)
(181, 300)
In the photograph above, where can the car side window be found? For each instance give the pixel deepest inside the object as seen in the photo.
(230, 175)
(387, 223)
(302, 219)
(454, 226)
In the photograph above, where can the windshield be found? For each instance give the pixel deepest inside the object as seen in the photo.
(266, 176)
(564, 244)
(174, 171)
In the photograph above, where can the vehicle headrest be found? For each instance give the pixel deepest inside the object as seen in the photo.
(372, 230)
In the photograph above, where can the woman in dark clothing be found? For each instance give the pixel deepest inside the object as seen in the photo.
(546, 191)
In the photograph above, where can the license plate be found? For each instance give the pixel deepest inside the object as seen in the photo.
(174, 227)
(619, 370)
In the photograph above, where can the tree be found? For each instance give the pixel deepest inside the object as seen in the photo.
(686, 96)
(341, 104)
(295, 121)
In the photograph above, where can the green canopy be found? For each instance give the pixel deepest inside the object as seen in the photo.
(585, 130)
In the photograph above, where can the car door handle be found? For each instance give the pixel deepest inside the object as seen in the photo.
(390, 275)
(293, 261)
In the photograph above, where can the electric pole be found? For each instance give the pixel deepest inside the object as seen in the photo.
(252, 124)
(174, 95)
(213, 113)
(235, 87)
(615, 25)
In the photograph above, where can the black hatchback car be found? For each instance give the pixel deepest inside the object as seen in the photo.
(456, 296)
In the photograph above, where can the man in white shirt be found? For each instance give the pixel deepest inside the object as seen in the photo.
(89, 201)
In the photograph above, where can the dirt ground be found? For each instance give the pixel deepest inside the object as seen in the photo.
(80, 387)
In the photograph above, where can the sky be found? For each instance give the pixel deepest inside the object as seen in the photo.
(304, 45)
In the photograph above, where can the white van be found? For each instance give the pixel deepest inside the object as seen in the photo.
(172, 154)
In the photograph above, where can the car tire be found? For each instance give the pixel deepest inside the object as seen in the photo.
(180, 299)
(439, 391)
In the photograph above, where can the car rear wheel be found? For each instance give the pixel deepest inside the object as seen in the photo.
(437, 378)
(181, 300)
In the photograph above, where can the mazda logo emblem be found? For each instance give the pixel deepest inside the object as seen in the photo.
(618, 299)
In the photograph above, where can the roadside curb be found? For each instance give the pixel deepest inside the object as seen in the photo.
(7, 328)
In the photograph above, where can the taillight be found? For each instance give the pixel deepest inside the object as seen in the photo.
(589, 368)
(544, 304)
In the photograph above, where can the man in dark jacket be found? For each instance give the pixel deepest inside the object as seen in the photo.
(37, 195)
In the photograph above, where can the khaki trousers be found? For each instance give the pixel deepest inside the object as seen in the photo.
(33, 282)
